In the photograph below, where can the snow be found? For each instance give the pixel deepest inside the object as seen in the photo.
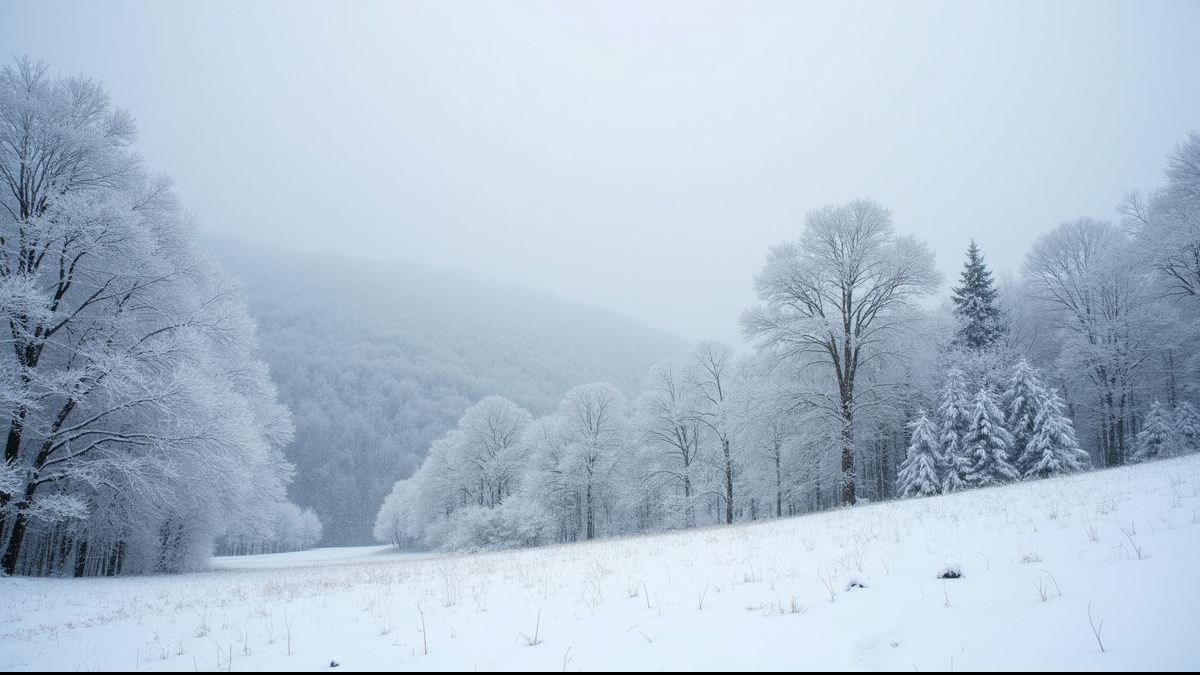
(758, 596)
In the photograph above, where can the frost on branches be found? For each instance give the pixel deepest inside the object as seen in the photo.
(140, 425)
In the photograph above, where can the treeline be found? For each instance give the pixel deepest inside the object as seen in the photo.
(854, 391)
(138, 425)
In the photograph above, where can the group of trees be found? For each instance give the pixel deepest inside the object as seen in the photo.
(1049, 372)
(138, 426)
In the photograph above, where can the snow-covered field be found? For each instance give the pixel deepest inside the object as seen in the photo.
(1034, 557)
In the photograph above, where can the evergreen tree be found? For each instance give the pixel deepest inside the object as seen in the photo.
(1186, 426)
(1023, 401)
(1154, 440)
(1053, 449)
(988, 443)
(919, 475)
(955, 415)
(975, 304)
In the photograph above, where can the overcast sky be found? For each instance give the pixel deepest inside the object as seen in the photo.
(641, 156)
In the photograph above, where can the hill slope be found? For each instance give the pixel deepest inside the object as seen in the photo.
(377, 360)
(1036, 558)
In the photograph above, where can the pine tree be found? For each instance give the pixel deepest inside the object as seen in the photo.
(1053, 449)
(955, 415)
(1023, 401)
(1186, 425)
(988, 443)
(1154, 440)
(919, 475)
(975, 304)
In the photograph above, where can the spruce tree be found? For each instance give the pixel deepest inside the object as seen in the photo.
(975, 304)
(988, 444)
(1022, 402)
(1154, 440)
(1053, 448)
(918, 475)
(954, 414)
(1186, 425)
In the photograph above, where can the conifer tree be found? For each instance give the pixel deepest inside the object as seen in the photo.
(954, 413)
(1053, 448)
(975, 304)
(919, 475)
(1023, 401)
(1186, 425)
(1154, 440)
(988, 443)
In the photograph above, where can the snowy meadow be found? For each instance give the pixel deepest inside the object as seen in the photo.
(1089, 571)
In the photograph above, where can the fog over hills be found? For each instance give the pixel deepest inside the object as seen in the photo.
(376, 360)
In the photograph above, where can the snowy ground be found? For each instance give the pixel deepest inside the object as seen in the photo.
(764, 596)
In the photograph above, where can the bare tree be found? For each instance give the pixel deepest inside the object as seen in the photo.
(829, 299)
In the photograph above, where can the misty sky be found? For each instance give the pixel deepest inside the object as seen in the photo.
(639, 156)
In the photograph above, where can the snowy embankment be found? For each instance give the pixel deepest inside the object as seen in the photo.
(772, 595)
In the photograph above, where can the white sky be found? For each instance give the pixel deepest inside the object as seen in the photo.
(639, 156)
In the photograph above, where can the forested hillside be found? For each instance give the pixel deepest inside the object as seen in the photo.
(377, 360)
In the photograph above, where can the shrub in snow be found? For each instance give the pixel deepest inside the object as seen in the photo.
(951, 571)
(858, 581)
(1154, 440)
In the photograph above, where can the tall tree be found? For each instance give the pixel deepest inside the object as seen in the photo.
(666, 420)
(711, 376)
(829, 299)
(976, 304)
(139, 421)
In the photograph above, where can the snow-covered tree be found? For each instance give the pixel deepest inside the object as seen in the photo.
(1168, 224)
(1022, 402)
(595, 437)
(954, 414)
(140, 424)
(490, 454)
(667, 421)
(976, 305)
(1154, 440)
(1052, 448)
(711, 374)
(1186, 428)
(987, 443)
(919, 472)
(830, 298)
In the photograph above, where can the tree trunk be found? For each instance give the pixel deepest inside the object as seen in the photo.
(728, 481)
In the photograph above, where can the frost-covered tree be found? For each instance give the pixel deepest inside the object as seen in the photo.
(829, 299)
(1022, 401)
(490, 453)
(140, 425)
(976, 305)
(988, 443)
(1154, 440)
(711, 376)
(1168, 224)
(670, 429)
(1052, 448)
(595, 439)
(919, 472)
(1186, 428)
(954, 414)
(1083, 276)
